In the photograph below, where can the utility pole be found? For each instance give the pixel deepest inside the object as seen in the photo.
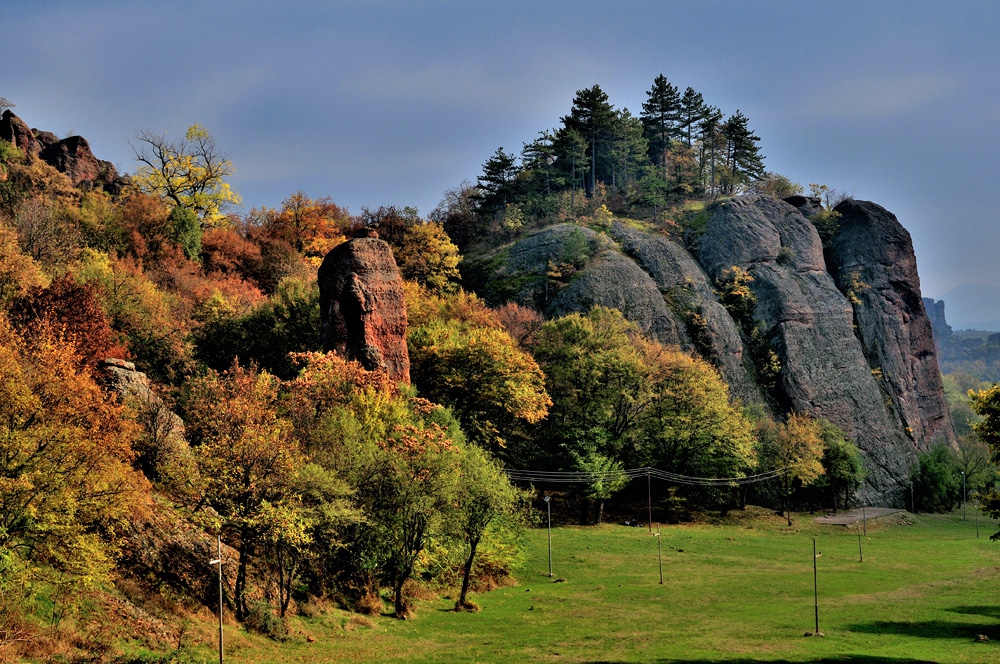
(964, 513)
(219, 563)
(864, 502)
(548, 506)
(659, 552)
(815, 588)
(649, 499)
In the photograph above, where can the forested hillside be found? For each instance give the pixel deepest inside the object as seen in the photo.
(166, 400)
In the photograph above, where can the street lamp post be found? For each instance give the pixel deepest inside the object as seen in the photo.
(548, 506)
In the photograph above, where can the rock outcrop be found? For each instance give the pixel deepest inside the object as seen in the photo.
(846, 321)
(872, 259)
(70, 156)
(687, 289)
(824, 371)
(362, 306)
(14, 131)
(939, 324)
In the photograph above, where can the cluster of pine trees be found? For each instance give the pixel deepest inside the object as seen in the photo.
(679, 147)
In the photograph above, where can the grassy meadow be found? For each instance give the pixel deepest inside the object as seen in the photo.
(740, 590)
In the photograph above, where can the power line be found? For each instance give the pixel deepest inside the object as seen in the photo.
(586, 477)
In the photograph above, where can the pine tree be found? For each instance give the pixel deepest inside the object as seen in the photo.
(743, 156)
(591, 116)
(660, 115)
(497, 180)
(711, 144)
(693, 111)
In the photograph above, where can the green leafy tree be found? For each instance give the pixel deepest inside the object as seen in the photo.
(610, 478)
(185, 230)
(843, 471)
(937, 482)
(485, 498)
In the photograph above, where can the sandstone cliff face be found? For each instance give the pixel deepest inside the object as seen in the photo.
(685, 286)
(14, 131)
(809, 322)
(872, 258)
(362, 306)
(860, 357)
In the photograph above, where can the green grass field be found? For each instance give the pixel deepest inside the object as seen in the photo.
(732, 592)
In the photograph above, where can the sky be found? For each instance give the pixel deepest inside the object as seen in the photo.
(375, 103)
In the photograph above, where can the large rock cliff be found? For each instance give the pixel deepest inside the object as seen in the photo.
(846, 320)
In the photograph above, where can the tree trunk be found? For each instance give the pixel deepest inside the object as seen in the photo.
(462, 602)
(600, 512)
(399, 604)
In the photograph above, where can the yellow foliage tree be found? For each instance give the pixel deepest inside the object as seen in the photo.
(190, 173)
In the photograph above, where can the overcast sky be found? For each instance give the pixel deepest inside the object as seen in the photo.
(376, 103)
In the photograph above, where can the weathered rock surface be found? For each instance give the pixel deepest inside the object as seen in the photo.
(687, 289)
(14, 131)
(869, 367)
(73, 157)
(809, 322)
(872, 258)
(362, 306)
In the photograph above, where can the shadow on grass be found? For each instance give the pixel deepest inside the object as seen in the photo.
(843, 659)
(988, 611)
(927, 629)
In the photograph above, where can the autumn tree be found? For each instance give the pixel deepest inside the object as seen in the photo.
(493, 387)
(190, 172)
(427, 256)
(484, 498)
(67, 489)
(313, 226)
(248, 461)
(797, 450)
(19, 272)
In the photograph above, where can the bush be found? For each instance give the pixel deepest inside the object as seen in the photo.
(937, 483)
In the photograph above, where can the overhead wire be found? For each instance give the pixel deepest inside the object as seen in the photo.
(588, 477)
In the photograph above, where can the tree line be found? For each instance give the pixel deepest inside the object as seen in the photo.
(678, 147)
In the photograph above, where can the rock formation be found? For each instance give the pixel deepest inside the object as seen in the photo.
(362, 306)
(71, 156)
(14, 131)
(939, 324)
(872, 259)
(846, 321)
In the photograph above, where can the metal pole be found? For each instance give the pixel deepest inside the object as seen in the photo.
(548, 505)
(861, 554)
(864, 513)
(659, 552)
(964, 512)
(977, 518)
(649, 497)
(788, 508)
(219, 563)
(815, 587)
